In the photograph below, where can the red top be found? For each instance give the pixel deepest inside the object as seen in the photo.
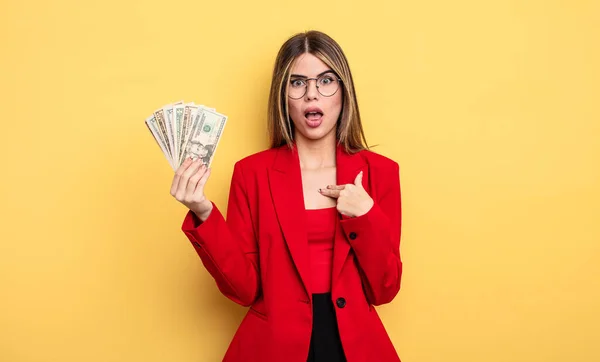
(321, 232)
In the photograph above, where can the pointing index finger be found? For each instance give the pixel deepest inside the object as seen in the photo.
(330, 193)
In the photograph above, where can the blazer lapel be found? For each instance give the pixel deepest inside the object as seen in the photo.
(285, 182)
(348, 166)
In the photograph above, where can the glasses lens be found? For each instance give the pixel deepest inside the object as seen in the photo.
(297, 88)
(328, 84)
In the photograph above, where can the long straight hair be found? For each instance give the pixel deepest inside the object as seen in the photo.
(349, 128)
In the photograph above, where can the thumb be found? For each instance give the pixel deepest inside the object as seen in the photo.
(358, 180)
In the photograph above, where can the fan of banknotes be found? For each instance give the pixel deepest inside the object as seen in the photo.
(186, 130)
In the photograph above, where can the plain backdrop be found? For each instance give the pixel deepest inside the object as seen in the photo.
(489, 107)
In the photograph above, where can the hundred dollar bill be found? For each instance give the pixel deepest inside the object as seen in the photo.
(205, 136)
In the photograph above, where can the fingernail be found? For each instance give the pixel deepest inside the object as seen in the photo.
(320, 191)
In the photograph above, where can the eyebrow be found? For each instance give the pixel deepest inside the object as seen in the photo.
(318, 75)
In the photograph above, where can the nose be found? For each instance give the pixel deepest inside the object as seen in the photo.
(311, 91)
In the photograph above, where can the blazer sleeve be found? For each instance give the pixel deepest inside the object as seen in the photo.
(375, 239)
(228, 247)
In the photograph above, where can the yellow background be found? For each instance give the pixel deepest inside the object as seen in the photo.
(490, 107)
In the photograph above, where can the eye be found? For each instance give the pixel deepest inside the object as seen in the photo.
(327, 79)
(297, 83)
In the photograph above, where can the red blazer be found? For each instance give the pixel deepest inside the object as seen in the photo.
(258, 257)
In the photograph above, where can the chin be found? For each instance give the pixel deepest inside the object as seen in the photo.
(315, 134)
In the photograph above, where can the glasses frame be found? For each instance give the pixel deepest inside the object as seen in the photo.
(307, 81)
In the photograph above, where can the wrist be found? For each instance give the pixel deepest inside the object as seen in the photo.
(368, 206)
(203, 215)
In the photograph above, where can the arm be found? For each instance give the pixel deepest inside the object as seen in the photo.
(228, 248)
(375, 239)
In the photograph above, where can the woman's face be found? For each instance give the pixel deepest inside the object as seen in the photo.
(314, 115)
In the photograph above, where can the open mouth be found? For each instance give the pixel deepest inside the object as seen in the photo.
(313, 116)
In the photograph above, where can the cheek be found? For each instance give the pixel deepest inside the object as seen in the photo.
(295, 111)
(335, 106)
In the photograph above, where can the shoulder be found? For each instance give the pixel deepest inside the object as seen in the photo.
(379, 163)
(384, 173)
(256, 161)
(258, 158)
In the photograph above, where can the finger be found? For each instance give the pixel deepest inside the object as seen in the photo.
(336, 187)
(202, 182)
(183, 181)
(330, 193)
(358, 179)
(193, 181)
(178, 174)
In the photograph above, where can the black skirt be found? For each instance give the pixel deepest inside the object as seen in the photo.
(325, 343)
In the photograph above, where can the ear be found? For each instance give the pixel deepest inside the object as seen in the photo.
(358, 180)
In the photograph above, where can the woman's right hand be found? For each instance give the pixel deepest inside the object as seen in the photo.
(188, 187)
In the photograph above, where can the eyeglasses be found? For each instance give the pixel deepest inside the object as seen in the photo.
(327, 85)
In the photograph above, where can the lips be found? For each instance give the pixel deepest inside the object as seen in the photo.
(314, 116)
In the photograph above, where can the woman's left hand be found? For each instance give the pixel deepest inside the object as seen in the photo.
(352, 199)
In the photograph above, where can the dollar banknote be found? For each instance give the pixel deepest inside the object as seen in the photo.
(184, 130)
(206, 133)
(178, 128)
(153, 126)
(171, 131)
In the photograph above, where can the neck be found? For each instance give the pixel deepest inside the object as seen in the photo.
(316, 154)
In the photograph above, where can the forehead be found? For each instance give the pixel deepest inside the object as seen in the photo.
(309, 65)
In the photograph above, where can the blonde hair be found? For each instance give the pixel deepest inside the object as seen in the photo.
(349, 132)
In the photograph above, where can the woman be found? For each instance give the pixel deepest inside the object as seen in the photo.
(312, 235)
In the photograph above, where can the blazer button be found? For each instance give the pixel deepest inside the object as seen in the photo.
(352, 235)
(341, 302)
